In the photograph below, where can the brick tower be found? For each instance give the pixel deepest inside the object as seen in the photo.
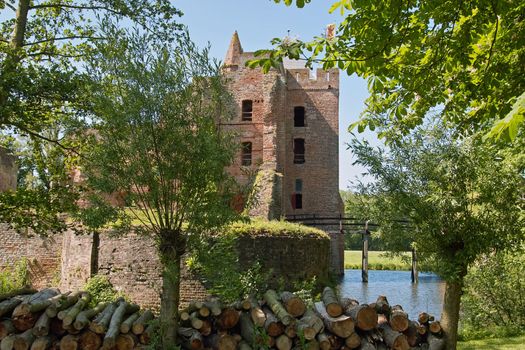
(287, 126)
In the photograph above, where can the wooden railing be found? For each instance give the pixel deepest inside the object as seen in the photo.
(357, 226)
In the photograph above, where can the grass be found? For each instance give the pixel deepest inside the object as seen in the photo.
(513, 343)
(258, 227)
(376, 261)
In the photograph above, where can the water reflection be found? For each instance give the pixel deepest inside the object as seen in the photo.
(427, 295)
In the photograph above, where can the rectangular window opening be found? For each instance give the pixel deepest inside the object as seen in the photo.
(246, 156)
(247, 110)
(298, 151)
(297, 201)
(298, 116)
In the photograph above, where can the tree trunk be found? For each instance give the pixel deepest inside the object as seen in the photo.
(331, 303)
(450, 313)
(272, 299)
(363, 315)
(6, 328)
(293, 304)
(7, 342)
(342, 326)
(310, 325)
(117, 318)
(90, 341)
(82, 319)
(23, 341)
(75, 310)
(126, 341)
(170, 253)
(140, 324)
(42, 343)
(42, 326)
(273, 326)
(69, 342)
(127, 324)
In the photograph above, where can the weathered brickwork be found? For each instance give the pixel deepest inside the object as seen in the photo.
(130, 262)
(272, 132)
(42, 254)
(8, 170)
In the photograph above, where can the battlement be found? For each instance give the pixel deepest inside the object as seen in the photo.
(300, 78)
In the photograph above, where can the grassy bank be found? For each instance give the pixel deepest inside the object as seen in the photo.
(376, 261)
(514, 343)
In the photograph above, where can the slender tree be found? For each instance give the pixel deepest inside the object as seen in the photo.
(462, 198)
(157, 143)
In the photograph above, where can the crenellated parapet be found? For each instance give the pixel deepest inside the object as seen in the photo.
(301, 78)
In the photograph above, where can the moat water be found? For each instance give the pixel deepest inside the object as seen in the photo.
(426, 295)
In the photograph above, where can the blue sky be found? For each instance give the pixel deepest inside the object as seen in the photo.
(257, 22)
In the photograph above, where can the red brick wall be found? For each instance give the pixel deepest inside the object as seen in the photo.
(43, 255)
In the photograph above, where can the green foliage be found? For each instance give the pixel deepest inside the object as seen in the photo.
(504, 343)
(491, 296)
(460, 60)
(259, 227)
(157, 142)
(101, 290)
(462, 198)
(45, 51)
(15, 277)
(216, 260)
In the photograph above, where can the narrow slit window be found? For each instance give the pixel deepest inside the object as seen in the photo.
(298, 151)
(298, 116)
(247, 110)
(246, 156)
(298, 185)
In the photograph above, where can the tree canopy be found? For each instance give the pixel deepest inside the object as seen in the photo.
(461, 198)
(463, 61)
(156, 146)
(45, 48)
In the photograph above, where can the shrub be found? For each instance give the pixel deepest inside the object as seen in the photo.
(216, 258)
(101, 290)
(16, 277)
(493, 297)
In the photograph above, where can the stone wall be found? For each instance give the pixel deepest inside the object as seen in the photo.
(289, 258)
(43, 255)
(131, 263)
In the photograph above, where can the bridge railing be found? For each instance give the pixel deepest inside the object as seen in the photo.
(358, 226)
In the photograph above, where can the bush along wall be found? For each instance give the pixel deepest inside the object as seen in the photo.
(248, 257)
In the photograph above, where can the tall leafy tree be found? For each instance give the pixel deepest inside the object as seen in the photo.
(45, 46)
(462, 60)
(463, 199)
(156, 141)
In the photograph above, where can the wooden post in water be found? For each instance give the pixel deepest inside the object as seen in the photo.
(364, 268)
(414, 272)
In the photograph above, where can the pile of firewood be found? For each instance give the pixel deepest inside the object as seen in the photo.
(50, 320)
(285, 322)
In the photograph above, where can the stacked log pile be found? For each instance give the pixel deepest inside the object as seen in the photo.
(284, 322)
(49, 319)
